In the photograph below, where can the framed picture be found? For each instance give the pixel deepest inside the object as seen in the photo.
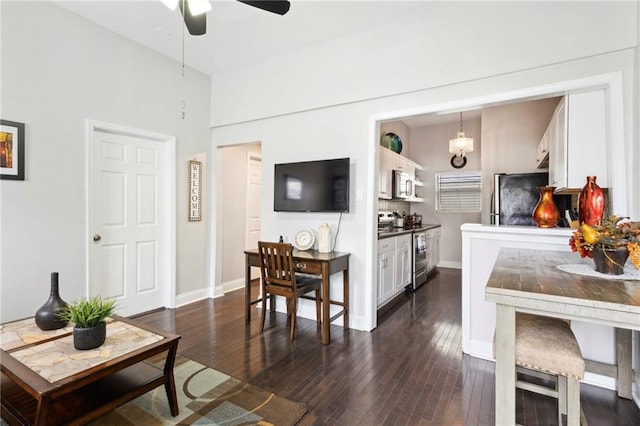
(11, 150)
(195, 190)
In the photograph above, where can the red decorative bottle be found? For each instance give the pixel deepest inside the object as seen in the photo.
(546, 214)
(591, 203)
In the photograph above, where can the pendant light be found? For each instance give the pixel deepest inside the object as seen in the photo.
(459, 146)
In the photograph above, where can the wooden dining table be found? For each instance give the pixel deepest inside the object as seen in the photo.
(525, 280)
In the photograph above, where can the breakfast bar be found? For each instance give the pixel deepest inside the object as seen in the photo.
(527, 280)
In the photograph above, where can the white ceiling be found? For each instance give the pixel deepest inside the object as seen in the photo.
(237, 34)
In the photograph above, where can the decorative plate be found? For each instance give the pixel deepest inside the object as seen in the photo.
(304, 239)
(391, 141)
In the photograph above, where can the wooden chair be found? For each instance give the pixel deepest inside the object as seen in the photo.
(279, 278)
(547, 349)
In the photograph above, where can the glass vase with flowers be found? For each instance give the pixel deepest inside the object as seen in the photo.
(610, 242)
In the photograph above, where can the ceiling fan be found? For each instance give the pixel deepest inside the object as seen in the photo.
(194, 11)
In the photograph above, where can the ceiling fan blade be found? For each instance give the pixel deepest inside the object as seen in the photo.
(275, 6)
(197, 25)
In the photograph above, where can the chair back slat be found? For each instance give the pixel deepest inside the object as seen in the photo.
(277, 264)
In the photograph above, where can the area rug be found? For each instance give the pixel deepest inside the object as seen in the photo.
(207, 397)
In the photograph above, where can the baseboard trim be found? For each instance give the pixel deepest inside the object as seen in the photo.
(192, 296)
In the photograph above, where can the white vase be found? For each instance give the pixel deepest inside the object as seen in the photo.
(324, 239)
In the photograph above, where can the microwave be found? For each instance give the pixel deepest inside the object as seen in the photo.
(403, 185)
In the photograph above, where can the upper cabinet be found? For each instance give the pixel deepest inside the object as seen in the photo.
(577, 141)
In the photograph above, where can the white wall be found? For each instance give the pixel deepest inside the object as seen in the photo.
(435, 45)
(57, 71)
(324, 101)
(430, 147)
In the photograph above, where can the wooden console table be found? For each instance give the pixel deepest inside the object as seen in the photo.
(46, 381)
(527, 280)
(310, 262)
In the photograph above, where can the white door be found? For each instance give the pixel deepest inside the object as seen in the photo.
(131, 205)
(254, 189)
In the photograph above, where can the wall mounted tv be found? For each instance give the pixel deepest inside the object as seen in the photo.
(312, 186)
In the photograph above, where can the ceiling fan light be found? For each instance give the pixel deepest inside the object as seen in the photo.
(198, 7)
(171, 4)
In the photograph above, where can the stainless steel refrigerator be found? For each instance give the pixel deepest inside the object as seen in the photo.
(515, 196)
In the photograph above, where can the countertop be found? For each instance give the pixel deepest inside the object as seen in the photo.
(394, 232)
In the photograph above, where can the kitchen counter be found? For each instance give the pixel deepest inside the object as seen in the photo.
(394, 232)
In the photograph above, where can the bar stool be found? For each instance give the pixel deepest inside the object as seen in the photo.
(547, 348)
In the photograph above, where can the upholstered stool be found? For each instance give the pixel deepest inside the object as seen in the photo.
(547, 345)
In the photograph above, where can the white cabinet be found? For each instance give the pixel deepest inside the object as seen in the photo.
(394, 266)
(434, 248)
(385, 174)
(558, 145)
(578, 141)
(386, 269)
(542, 154)
(403, 257)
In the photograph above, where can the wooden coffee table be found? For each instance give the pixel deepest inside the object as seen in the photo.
(46, 381)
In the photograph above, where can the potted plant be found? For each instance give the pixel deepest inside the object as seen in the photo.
(88, 316)
(610, 242)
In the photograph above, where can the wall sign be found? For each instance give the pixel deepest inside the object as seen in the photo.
(195, 190)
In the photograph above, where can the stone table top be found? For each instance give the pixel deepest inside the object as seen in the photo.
(52, 355)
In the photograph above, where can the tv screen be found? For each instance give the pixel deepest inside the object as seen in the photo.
(312, 186)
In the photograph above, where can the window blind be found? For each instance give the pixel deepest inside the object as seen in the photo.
(458, 192)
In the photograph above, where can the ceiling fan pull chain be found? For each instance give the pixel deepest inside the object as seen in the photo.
(183, 103)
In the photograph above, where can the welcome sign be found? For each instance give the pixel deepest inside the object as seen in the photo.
(195, 190)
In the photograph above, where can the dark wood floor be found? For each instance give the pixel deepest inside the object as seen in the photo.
(408, 371)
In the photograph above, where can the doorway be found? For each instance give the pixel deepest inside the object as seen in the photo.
(239, 209)
(131, 219)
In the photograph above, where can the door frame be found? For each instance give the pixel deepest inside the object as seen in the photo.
(169, 229)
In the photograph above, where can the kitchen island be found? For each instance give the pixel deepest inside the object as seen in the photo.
(480, 247)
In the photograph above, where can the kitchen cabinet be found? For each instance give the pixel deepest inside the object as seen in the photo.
(386, 269)
(578, 141)
(404, 262)
(388, 162)
(385, 174)
(434, 247)
(542, 154)
(394, 266)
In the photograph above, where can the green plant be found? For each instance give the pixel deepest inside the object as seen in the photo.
(85, 313)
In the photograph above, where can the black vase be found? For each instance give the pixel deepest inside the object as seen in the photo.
(90, 337)
(47, 315)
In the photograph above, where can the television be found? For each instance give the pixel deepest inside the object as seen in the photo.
(312, 186)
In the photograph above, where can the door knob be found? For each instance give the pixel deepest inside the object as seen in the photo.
(97, 237)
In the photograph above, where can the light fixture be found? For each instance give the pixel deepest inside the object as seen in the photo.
(459, 146)
(196, 7)
(171, 4)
